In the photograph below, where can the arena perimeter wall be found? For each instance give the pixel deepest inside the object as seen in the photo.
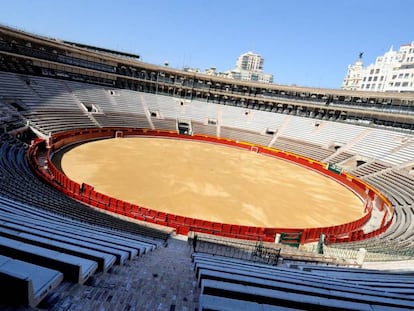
(42, 149)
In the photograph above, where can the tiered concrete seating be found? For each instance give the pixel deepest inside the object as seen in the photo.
(377, 144)
(25, 282)
(13, 87)
(114, 119)
(242, 135)
(369, 168)
(197, 111)
(199, 128)
(308, 288)
(75, 269)
(321, 132)
(165, 124)
(303, 148)
(90, 94)
(250, 120)
(340, 157)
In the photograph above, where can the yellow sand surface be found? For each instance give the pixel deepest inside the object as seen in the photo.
(211, 182)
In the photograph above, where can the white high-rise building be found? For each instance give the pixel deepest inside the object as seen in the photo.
(249, 68)
(391, 72)
(401, 78)
(250, 62)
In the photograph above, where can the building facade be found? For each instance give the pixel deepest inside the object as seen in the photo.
(391, 72)
(353, 76)
(249, 67)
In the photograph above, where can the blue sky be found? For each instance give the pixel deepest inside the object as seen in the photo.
(303, 42)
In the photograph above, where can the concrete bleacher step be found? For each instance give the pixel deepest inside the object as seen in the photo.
(280, 297)
(365, 287)
(56, 221)
(208, 302)
(74, 268)
(127, 249)
(104, 260)
(121, 254)
(23, 282)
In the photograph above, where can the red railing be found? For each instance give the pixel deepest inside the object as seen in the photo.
(86, 194)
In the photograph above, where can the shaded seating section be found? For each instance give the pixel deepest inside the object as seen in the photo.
(298, 287)
(12, 87)
(50, 120)
(26, 283)
(57, 110)
(10, 119)
(110, 107)
(47, 103)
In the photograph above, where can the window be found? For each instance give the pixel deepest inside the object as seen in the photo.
(377, 70)
(375, 78)
(397, 83)
(370, 79)
(382, 78)
(394, 77)
(404, 84)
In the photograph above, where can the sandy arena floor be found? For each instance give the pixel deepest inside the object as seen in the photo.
(211, 182)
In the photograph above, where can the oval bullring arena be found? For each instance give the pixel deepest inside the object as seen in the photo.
(131, 186)
(212, 182)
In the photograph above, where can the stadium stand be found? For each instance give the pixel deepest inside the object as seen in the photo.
(303, 287)
(59, 253)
